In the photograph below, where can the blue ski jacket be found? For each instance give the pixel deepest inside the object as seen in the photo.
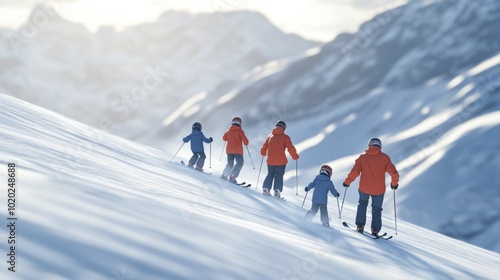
(321, 185)
(197, 138)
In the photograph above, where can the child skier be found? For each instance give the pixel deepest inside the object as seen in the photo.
(274, 147)
(235, 138)
(197, 138)
(321, 185)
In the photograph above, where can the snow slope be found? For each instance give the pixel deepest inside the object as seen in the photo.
(95, 206)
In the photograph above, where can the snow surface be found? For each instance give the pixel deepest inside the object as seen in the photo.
(95, 206)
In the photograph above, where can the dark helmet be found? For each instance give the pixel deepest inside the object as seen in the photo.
(375, 142)
(327, 170)
(197, 126)
(236, 121)
(281, 124)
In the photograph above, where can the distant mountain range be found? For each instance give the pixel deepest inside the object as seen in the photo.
(129, 80)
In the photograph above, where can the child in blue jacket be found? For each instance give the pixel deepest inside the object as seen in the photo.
(321, 185)
(197, 138)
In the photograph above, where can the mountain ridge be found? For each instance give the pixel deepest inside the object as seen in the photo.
(93, 74)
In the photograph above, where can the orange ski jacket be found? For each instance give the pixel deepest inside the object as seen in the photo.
(275, 145)
(235, 137)
(372, 165)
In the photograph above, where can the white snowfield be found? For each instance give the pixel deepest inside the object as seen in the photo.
(93, 206)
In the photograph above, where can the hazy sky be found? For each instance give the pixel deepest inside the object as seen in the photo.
(313, 19)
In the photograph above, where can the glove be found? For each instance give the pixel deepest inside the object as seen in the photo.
(306, 189)
(296, 158)
(211, 139)
(345, 185)
(394, 187)
(337, 195)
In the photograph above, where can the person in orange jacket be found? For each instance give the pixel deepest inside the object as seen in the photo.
(235, 138)
(372, 166)
(274, 147)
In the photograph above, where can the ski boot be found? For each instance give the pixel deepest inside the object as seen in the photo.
(277, 193)
(360, 228)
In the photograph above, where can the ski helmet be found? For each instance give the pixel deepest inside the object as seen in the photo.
(375, 142)
(236, 121)
(281, 124)
(327, 170)
(197, 126)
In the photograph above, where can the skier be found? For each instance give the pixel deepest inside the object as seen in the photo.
(372, 165)
(321, 185)
(274, 147)
(235, 138)
(197, 138)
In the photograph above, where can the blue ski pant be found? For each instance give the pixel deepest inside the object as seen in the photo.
(274, 173)
(198, 158)
(377, 201)
(314, 209)
(233, 170)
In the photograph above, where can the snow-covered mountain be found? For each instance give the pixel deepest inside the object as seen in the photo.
(90, 205)
(407, 47)
(423, 77)
(134, 78)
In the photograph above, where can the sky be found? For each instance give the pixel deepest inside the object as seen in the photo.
(319, 20)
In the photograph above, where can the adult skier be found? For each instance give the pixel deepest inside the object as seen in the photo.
(235, 138)
(274, 147)
(371, 167)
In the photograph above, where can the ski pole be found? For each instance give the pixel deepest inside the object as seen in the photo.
(304, 200)
(395, 216)
(338, 206)
(250, 157)
(210, 156)
(221, 152)
(340, 212)
(260, 168)
(177, 151)
(297, 177)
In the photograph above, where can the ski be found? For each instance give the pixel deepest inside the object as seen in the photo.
(363, 233)
(278, 198)
(183, 163)
(381, 236)
(242, 184)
